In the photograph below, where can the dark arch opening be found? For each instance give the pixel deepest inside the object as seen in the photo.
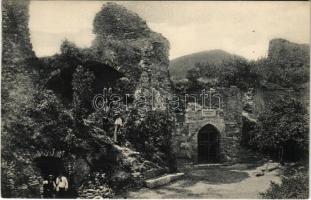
(61, 80)
(49, 165)
(208, 144)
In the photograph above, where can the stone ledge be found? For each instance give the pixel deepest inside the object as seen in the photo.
(153, 173)
(198, 166)
(152, 183)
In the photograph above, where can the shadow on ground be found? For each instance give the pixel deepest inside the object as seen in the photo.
(216, 182)
(174, 193)
(214, 175)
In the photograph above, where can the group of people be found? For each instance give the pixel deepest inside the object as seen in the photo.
(55, 187)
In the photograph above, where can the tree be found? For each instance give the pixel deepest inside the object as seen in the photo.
(235, 71)
(283, 130)
(238, 72)
(285, 73)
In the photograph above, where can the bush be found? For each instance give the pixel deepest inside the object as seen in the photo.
(152, 136)
(238, 72)
(284, 73)
(283, 130)
(294, 187)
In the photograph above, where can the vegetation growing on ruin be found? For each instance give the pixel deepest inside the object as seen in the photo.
(295, 185)
(47, 108)
(58, 121)
(283, 130)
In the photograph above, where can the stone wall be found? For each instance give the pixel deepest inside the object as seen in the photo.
(227, 119)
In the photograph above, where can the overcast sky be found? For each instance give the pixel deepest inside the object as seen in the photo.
(242, 28)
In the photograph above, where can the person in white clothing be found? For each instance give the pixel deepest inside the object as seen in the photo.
(61, 186)
(117, 124)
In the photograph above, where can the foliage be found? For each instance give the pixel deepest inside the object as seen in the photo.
(193, 75)
(283, 125)
(287, 66)
(95, 187)
(44, 120)
(285, 73)
(44, 126)
(53, 125)
(123, 38)
(238, 72)
(16, 176)
(7, 179)
(296, 186)
(82, 84)
(249, 129)
(70, 50)
(151, 136)
(119, 22)
(179, 66)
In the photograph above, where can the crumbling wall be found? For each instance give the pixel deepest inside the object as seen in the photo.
(18, 84)
(18, 74)
(138, 52)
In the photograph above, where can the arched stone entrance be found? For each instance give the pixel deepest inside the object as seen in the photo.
(208, 144)
(49, 165)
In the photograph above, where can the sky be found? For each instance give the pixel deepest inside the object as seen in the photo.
(241, 27)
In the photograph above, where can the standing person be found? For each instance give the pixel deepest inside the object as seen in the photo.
(105, 122)
(117, 125)
(49, 187)
(61, 186)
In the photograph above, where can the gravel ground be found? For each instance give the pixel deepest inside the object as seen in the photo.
(237, 181)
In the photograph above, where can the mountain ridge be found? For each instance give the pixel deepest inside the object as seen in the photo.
(179, 66)
(279, 49)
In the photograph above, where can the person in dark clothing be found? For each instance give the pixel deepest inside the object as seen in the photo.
(49, 187)
(105, 123)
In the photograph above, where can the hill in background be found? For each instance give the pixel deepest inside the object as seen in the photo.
(179, 66)
(284, 52)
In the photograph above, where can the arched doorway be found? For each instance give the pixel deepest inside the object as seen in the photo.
(208, 144)
(49, 165)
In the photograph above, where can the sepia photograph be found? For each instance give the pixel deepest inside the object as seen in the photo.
(155, 99)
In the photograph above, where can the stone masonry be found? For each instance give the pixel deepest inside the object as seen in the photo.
(225, 116)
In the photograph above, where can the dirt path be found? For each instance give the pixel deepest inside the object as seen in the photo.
(236, 181)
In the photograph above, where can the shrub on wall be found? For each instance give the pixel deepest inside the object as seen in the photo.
(152, 136)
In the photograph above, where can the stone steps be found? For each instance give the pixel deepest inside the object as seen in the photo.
(163, 180)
